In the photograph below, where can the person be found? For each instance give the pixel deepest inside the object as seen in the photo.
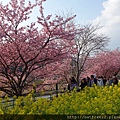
(73, 84)
(104, 81)
(115, 80)
(92, 81)
(83, 83)
(110, 81)
(87, 80)
(100, 81)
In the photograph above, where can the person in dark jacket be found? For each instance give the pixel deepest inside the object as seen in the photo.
(83, 83)
(87, 80)
(104, 80)
(115, 80)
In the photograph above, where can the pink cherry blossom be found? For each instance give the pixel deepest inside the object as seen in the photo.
(105, 63)
(29, 52)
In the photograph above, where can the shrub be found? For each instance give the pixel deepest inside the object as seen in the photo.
(94, 100)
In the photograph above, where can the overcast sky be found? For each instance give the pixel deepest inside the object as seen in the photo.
(105, 12)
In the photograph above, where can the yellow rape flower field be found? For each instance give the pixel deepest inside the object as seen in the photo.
(90, 101)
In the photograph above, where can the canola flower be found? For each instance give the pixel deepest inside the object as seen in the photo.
(94, 100)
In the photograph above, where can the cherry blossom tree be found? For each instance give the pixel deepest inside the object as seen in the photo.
(88, 43)
(105, 63)
(29, 51)
(64, 72)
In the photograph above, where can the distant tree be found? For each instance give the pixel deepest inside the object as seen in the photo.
(88, 42)
(26, 50)
(105, 63)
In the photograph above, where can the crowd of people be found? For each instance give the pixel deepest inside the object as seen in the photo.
(90, 81)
